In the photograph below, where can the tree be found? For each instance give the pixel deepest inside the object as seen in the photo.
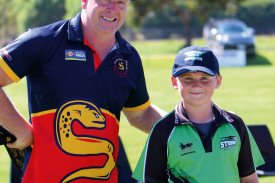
(72, 7)
(8, 28)
(41, 12)
(184, 9)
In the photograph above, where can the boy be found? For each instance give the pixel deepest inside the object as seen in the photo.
(198, 142)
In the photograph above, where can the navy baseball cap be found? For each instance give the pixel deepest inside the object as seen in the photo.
(195, 59)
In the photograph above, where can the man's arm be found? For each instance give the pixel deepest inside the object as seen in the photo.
(12, 120)
(144, 119)
(253, 178)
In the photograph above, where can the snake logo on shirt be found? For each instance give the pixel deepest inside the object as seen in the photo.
(90, 117)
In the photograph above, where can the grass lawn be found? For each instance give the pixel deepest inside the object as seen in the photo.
(248, 91)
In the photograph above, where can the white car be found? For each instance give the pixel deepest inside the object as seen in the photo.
(229, 34)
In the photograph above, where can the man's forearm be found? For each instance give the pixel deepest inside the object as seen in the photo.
(15, 123)
(145, 119)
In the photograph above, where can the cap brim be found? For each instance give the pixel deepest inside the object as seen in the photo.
(193, 69)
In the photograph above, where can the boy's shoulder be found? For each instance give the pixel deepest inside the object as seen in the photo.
(237, 122)
(229, 116)
(168, 119)
(165, 124)
(234, 116)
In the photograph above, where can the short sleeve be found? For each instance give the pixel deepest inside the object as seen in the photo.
(257, 156)
(249, 155)
(139, 97)
(20, 57)
(152, 164)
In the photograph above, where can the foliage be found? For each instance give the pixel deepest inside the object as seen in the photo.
(8, 27)
(200, 8)
(184, 13)
(42, 12)
(253, 13)
(72, 7)
(18, 15)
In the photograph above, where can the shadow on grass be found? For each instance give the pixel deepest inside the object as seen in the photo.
(257, 60)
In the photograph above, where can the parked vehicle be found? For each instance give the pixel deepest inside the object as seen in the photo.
(229, 34)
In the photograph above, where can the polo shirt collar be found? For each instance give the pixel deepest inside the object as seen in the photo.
(181, 117)
(75, 29)
(75, 33)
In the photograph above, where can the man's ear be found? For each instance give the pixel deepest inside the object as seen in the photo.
(174, 82)
(84, 4)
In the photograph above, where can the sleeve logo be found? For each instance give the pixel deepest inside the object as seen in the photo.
(6, 53)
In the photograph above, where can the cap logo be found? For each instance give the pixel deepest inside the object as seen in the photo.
(193, 55)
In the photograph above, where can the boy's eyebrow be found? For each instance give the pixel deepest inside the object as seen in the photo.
(190, 73)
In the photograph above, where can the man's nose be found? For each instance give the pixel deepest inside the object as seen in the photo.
(112, 5)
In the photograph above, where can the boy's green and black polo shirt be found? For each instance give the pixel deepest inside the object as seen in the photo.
(177, 152)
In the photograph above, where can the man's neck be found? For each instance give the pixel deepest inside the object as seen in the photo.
(102, 43)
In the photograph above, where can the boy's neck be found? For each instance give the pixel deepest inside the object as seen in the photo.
(199, 114)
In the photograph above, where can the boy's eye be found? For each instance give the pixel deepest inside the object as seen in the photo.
(188, 79)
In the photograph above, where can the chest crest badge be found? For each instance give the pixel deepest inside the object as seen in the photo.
(228, 142)
(120, 67)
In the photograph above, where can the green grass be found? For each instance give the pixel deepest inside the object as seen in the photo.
(248, 91)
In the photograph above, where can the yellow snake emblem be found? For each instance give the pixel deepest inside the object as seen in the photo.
(90, 117)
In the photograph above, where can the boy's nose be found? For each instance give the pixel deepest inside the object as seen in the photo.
(196, 83)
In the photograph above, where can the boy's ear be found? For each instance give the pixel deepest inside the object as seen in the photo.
(219, 81)
(174, 82)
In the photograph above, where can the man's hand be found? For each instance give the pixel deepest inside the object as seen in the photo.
(16, 155)
(6, 136)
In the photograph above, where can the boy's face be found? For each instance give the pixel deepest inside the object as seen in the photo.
(196, 88)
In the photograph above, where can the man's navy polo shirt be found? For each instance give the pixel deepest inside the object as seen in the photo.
(74, 110)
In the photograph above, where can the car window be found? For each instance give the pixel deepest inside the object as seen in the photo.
(230, 28)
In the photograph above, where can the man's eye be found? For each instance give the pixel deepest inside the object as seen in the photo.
(121, 2)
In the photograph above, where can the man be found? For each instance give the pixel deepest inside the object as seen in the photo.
(81, 74)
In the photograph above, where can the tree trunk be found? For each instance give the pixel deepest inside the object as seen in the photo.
(186, 21)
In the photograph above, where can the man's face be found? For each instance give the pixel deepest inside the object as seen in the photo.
(104, 16)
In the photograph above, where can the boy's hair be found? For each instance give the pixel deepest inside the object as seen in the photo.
(195, 59)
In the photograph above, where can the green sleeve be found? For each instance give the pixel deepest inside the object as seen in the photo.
(257, 156)
(138, 173)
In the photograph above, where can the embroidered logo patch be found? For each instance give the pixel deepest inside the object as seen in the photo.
(193, 55)
(228, 142)
(121, 67)
(186, 148)
(79, 55)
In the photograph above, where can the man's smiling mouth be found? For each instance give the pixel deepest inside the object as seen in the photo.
(109, 19)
